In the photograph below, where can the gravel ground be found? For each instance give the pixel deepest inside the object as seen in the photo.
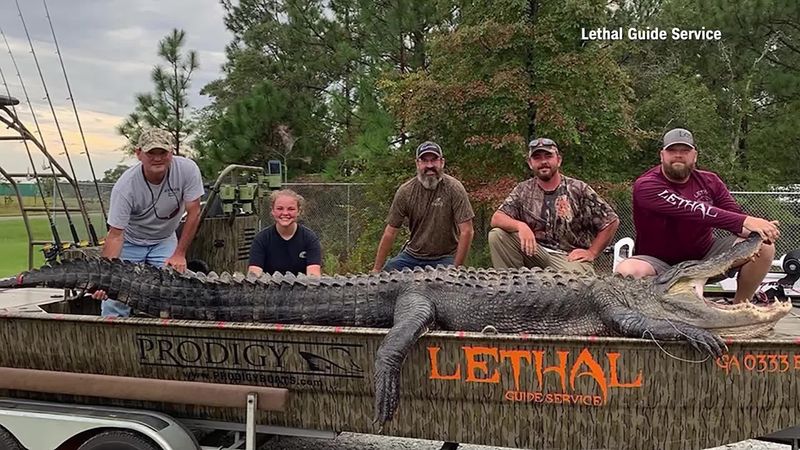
(352, 441)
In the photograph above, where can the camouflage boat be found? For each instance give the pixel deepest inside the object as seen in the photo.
(506, 390)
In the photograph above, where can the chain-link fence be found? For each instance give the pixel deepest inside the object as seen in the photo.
(339, 214)
(349, 224)
(781, 206)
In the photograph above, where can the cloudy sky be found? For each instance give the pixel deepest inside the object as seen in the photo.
(109, 48)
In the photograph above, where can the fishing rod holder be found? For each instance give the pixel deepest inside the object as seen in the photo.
(5, 100)
(52, 248)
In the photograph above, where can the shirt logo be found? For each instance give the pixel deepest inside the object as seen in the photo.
(438, 202)
(302, 255)
(682, 203)
(563, 208)
(702, 195)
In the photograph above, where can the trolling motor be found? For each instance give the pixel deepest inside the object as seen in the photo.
(791, 267)
(238, 198)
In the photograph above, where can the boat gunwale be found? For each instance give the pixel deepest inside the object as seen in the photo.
(365, 331)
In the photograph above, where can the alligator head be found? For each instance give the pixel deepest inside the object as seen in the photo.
(679, 293)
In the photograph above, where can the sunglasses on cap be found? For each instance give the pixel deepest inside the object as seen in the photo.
(542, 142)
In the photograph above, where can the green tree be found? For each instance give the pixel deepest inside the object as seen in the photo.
(113, 174)
(512, 71)
(269, 124)
(739, 94)
(166, 107)
(332, 54)
(291, 46)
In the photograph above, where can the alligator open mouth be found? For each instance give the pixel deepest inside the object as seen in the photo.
(697, 287)
(692, 276)
(685, 298)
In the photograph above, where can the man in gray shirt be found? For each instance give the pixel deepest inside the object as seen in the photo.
(147, 203)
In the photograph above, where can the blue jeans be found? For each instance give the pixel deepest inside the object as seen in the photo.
(155, 254)
(403, 259)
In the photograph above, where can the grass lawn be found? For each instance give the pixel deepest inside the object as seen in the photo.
(14, 244)
(14, 239)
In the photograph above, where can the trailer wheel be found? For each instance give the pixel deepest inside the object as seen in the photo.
(8, 441)
(118, 440)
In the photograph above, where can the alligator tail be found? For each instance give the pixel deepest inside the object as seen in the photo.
(10, 282)
(281, 298)
(90, 274)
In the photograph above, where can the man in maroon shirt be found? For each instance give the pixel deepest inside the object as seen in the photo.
(675, 209)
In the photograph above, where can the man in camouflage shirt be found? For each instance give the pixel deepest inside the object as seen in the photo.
(550, 220)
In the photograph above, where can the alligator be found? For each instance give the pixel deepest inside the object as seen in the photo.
(532, 301)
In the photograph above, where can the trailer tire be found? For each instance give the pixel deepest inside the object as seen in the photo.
(8, 441)
(118, 440)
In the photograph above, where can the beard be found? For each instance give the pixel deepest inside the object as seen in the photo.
(678, 171)
(429, 180)
(547, 175)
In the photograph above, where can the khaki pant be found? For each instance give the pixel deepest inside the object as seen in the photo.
(506, 252)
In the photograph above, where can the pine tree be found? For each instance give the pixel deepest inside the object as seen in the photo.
(165, 107)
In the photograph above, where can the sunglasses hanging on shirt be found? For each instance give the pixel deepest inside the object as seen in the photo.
(154, 199)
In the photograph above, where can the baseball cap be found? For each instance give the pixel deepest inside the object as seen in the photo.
(678, 136)
(544, 144)
(429, 147)
(153, 138)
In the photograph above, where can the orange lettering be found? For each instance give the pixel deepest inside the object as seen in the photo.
(612, 360)
(749, 362)
(595, 371)
(560, 369)
(734, 363)
(433, 353)
(516, 357)
(796, 362)
(722, 362)
(538, 358)
(473, 364)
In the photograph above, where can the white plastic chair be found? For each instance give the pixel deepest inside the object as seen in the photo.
(625, 244)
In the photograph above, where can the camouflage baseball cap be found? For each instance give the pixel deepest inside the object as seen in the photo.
(543, 144)
(152, 138)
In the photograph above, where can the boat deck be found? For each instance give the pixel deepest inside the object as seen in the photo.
(29, 299)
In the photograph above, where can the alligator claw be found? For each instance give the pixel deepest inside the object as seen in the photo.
(706, 342)
(387, 394)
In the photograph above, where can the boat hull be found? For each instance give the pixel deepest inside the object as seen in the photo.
(514, 391)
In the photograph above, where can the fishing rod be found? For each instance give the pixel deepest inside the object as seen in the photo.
(41, 145)
(75, 110)
(86, 219)
(50, 218)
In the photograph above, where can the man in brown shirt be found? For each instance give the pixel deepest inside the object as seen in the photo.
(439, 217)
(550, 220)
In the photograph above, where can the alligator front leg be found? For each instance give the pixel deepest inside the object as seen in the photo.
(413, 315)
(631, 323)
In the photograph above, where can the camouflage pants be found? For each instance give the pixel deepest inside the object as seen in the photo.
(506, 252)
